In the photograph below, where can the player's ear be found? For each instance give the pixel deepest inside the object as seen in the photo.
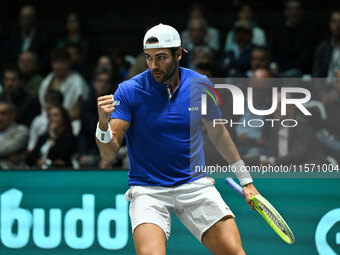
(179, 54)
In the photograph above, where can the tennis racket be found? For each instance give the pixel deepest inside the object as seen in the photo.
(268, 212)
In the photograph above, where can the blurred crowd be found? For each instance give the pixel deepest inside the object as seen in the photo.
(49, 87)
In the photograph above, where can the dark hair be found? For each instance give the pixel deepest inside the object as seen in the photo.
(201, 8)
(35, 13)
(13, 69)
(100, 71)
(66, 118)
(206, 67)
(244, 4)
(60, 54)
(74, 45)
(173, 51)
(334, 11)
(79, 19)
(290, 1)
(208, 51)
(56, 96)
(9, 104)
(153, 39)
(263, 48)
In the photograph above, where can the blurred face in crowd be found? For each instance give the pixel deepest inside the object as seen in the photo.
(74, 53)
(293, 12)
(27, 63)
(163, 65)
(6, 116)
(261, 86)
(197, 31)
(50, 101)
(245, 13)
(259, 59)
(104, 62)
(243, 37)
(48, 104)
(55, 119)
(334, 24)
(102, 84)
(201, 57)
(195, 13)
(27, 18)
(72, 23)
(12, 83)
(61, 68)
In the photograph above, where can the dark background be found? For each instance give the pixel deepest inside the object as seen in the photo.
(122, 24)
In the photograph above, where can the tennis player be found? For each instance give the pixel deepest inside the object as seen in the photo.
(152, 111)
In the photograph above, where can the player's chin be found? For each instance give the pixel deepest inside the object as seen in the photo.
(160, 80)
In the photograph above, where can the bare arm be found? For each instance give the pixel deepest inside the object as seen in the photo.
(226, 147)
(109, 151)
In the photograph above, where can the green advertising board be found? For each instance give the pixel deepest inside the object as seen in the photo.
(84, 212)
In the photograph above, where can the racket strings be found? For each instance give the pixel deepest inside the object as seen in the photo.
(272, 217)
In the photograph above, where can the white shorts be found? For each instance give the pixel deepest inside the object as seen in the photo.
(197, 204)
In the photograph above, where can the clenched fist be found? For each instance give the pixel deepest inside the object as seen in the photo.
(105, 107)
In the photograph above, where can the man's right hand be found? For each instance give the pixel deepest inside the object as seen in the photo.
(105, 107)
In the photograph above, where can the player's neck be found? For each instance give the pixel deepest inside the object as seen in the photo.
(174, 80)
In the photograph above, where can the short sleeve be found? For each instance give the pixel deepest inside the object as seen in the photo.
(213, 100)
(122, 101)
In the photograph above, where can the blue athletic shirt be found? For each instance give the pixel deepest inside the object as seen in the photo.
(164, 139)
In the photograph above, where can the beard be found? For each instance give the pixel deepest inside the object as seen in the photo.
(169, 71)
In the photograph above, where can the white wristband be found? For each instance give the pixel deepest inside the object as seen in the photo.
(241, 172)
(104, 136)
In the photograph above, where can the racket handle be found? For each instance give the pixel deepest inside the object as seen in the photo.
(234, 185)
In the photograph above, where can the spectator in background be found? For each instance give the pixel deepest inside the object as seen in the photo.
(245, 13)
(105, 62)
(204, 62)
(193, 35)
(70, 84)
(203, 55)
(77, 65)
(197, 31)
(206, 69)
(196, 56)
(293, 42)
(73, 33)
(13, 139)
(40, 123)
(138, 67)
(327, 57)
(87, 148)
(292, 145)
(331, 124)
(250, 139)
(260, 59)
(31, 37)
(28, 65)
(55, 148)
(27, 106)
(120, 64)
(237, 61)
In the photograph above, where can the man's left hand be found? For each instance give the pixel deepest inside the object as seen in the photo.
(249, 190)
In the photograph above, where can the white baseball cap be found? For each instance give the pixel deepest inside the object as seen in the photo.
(167, 37)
